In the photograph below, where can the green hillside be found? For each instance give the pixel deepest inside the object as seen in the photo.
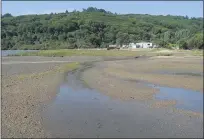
(97, 28)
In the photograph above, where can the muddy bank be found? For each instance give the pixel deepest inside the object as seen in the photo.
(129, 79)
(93, 114)
(82, 111)
(25, 95)
(65, 58)
(27, 88)
(171, 72)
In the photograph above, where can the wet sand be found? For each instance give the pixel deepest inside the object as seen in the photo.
(26, 89)
(128, 79)
(108, 75)
(28, 85)
(24, 95)
(24, 100)
(82, 111)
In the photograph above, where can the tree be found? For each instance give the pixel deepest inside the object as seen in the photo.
(196, 41)
(183, 44)
(95, 27)
(7, 15)
(122, 38)
(95, 40)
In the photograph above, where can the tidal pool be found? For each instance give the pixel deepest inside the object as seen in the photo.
(79, 111)
(185, 99)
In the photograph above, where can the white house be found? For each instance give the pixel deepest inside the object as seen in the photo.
(141, 45)
(132, 45)
(144, 45)
(125, 46)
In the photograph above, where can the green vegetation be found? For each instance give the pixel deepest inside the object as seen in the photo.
(73, 52)
(62, 69)
(86, 52)
(164, 54)
(68, 67)
(97, 28)
(197, 52)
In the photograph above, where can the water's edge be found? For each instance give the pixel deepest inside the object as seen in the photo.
(80, 111)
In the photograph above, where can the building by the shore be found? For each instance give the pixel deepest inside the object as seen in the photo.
(141, 45)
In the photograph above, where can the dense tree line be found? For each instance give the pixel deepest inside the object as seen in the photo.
(97, 28)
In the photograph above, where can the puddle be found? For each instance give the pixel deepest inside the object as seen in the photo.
(78, 112)
(81, 112)
(186, 99)
(13, 52)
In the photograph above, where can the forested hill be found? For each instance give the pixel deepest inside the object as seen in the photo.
(94, 27)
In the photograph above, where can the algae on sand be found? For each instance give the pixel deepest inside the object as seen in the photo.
(62, 69)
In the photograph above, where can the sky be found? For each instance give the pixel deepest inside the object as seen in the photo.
(183, 8)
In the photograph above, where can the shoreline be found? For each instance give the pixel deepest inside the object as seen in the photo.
(27, 95)
(28, 88)
(58, 114)
(118, 85)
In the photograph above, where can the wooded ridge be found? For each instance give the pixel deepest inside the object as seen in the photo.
(97, 28)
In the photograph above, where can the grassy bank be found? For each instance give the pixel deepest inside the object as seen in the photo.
(102, 52)
(197, 52)
(70, 52)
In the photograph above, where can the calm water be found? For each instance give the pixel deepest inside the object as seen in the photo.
(186, 99)
(79, 111)
(11, 52)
